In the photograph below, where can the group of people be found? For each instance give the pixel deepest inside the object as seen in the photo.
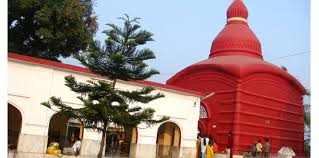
(206, 147)
(54, 146)
(259, 151)
(112, 143)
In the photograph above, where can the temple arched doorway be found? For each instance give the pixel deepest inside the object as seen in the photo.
(119, 141)
(14, 126)
(168, 140)
(65, 131)
(203, 120)
(200, 128)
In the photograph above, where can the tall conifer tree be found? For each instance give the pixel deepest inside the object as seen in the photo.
(119, 59)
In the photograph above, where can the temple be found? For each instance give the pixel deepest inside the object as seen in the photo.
(245, 94)
(234, 90)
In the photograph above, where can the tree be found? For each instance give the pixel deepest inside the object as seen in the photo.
(119, 59)
(307, 120)
(49, 29)
(284, 68)
(307, 110)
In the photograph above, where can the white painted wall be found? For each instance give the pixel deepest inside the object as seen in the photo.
(30, 84)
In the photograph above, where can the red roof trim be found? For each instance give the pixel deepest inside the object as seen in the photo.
(48, 63)
(87, 71)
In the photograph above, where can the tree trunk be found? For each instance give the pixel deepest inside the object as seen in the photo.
(102, 145)
(113, 84)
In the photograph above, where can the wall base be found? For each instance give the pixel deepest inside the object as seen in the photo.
(90, 148)
(219, 155)
(39, 155)
(188, 152)
(149, 151)
(32, 143)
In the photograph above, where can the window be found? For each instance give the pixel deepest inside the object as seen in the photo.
(202, 112)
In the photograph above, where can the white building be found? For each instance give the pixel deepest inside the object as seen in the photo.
(32, 81)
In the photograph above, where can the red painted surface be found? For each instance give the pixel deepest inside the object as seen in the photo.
(87, 71)
(253, 98)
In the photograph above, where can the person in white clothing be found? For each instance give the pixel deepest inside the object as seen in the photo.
(203, 143)
(76, 146)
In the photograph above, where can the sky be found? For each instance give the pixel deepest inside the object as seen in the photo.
(184, 30)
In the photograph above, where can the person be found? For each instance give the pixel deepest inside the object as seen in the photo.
(203, 142)
(76, 146)
(259, 150)
(112, 145)
(11, 151)
(109, 141)
(116, 143)
(209, 150)
(210, 142)
(215, 146)
(197, 147)
(53, 147)
(253, 152)
(72, 140)
(267, 148)
(230, 144)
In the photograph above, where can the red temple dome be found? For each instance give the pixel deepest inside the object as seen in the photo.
(236, 38)
(237, 9)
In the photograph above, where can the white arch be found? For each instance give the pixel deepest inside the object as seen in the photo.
(49, 117)
(173, 121)
(19, 109)
(10, 103)
(178, 125)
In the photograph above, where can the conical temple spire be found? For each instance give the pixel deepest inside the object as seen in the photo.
(237, 11)
(236, 38)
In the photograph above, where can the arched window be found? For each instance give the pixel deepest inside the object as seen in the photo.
(202, 112)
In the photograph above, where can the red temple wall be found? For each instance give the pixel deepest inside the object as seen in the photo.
(255, 107)
(206, 80)
(269, 106)
(220, 106)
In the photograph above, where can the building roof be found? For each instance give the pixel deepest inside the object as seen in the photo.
(236, 50)
(64, 66)
(236, 37)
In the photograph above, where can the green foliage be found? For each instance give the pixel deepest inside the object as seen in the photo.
(103, 103)
(307, 121)
(98, 105)
(120, 58)
(307, 148)
(307, 115)
(284, 68)
(50, 28)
